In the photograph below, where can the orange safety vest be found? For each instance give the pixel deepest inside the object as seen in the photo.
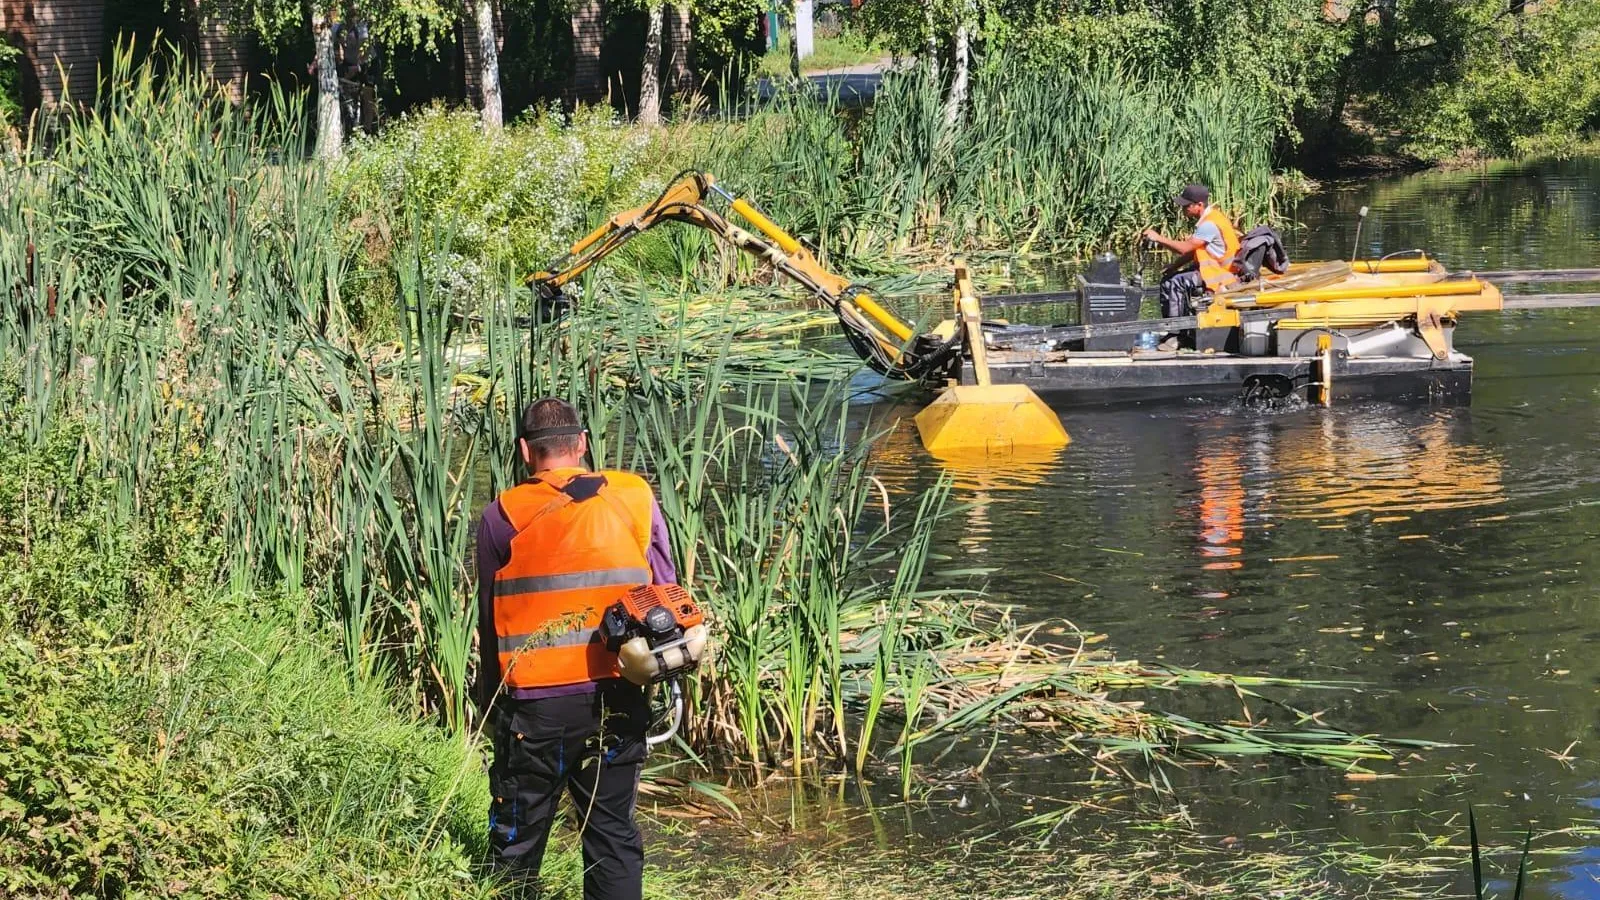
(580, 545)
(1214, 270)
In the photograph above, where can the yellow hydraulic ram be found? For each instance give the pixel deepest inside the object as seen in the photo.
(1463, 288)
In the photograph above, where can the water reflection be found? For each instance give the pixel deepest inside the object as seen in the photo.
(1418, 550)
(1380, 464)
(1221, 478)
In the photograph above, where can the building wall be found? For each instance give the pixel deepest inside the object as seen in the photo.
(61, 42)
(222, 53)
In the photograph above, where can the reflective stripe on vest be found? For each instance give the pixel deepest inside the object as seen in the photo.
(1214, 270)
(577, 550)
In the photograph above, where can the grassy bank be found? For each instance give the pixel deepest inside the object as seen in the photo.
(227, 489)
(848, 47)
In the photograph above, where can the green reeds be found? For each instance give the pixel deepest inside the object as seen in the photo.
(214, 319)
(1051, 159)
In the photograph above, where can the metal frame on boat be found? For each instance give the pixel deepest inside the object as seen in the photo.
(1375, 328)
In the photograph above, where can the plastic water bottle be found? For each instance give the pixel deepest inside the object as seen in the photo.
(1148, 340)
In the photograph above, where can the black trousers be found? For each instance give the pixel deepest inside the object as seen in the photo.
(590, 745)
(1177, 290)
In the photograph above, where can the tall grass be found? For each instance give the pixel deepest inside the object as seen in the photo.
(352, 472)
(1048, 158)
(184, 293)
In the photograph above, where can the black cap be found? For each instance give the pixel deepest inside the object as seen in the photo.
(1193, 193)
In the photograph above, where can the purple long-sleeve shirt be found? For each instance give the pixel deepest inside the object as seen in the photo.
(494, 551)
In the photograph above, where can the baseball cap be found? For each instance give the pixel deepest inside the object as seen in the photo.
(1193, 193)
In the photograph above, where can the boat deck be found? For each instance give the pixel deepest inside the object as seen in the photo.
(1085, 378)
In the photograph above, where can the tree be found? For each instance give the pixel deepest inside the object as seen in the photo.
(650, 74)
(680, 39)
(956, 101)
(330, 118)
(276, 20)
(483, 54)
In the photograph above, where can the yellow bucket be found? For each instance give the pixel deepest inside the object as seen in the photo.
(985, 418)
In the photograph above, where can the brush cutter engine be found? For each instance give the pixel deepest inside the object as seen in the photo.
(658, 634)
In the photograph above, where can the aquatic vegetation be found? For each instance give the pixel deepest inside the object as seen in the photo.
(306, 498)
(1052, 158)
(353, 473)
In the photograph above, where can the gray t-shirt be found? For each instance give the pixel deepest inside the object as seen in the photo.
(1209, 232)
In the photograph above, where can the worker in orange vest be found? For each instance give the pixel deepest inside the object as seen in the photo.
(1210, 250)
(553, 553)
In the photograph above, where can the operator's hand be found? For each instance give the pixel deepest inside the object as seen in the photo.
(1152, 235)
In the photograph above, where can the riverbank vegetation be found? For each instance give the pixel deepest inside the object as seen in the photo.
(1054, 161)
(235, 523)
(1327, 85)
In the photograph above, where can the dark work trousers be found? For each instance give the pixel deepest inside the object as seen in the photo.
(1177, 290)
(591, 745)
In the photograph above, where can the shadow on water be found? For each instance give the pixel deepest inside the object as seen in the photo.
(1443, 556)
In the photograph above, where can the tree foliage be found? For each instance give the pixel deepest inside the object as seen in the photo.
(1480, 77)
(1431, 77)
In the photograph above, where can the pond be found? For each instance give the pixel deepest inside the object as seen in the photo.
(1442, 556)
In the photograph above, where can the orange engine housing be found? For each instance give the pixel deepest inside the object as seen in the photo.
(677, 601)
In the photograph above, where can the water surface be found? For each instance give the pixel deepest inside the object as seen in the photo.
(1440, 555)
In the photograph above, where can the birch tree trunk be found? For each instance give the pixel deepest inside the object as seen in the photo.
(955, 104)
(481, 32)
(802, 40)
(330, 124)
(650, 75)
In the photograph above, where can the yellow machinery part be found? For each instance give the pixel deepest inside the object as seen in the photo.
(988, 419)
(1467, 288)
(992, 419)
(1385, 266)
(792, 248)
(766, 226)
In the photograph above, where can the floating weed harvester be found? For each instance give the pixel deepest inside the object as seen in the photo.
(965, 418)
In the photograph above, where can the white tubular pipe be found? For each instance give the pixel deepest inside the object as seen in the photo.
(675, 706)
(1381, 339)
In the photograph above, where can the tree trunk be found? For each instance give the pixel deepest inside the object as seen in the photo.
(588, 30)
(330, 126)
(650, 75)
(680, 77)
(484, 51)
(956, 103)
(801, 35)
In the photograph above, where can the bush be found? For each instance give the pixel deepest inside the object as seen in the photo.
(1526, 84)
(160, 736)
(506, 201)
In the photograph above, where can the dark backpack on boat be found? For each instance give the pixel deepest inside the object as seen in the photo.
(1258, 249)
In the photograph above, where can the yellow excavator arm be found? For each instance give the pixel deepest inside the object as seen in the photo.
(882, 338)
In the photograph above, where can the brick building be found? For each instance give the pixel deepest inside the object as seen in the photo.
(61, 42)
(65, 42)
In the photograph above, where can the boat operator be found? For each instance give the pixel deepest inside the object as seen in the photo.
(1202, 266)
(553, 553)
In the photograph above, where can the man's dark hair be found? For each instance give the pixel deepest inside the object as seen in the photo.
(547, 414)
